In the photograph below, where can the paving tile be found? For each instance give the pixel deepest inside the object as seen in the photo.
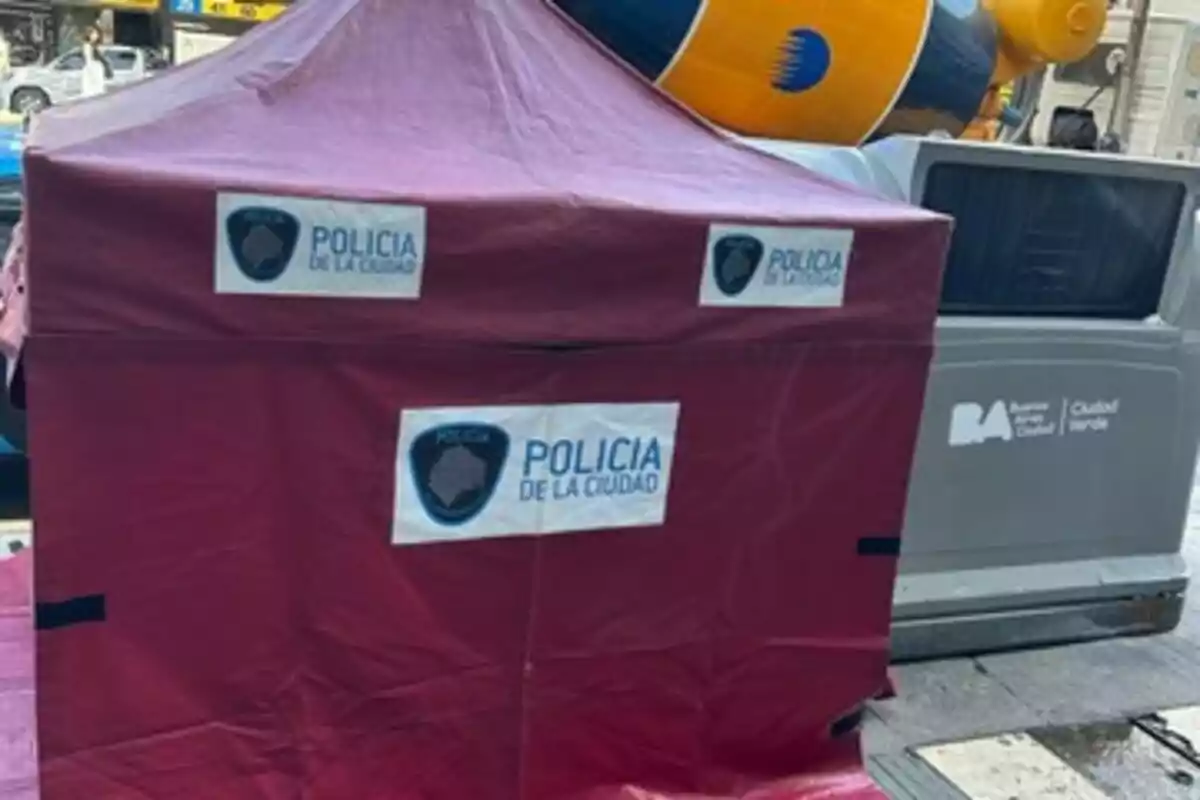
(1124, 761)
(1009, 767)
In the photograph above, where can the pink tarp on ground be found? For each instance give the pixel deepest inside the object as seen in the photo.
(18, 759)
(214, 474)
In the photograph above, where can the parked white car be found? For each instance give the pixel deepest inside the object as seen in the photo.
(33, 88)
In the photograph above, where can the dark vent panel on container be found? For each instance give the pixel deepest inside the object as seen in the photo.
(1033, 242)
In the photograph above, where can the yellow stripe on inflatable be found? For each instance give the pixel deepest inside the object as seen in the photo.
(812, 70)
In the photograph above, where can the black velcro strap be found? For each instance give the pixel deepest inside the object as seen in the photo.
(879, 546)
(76, 611)
(847, 724)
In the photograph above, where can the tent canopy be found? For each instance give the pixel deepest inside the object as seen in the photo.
(457, 100)
(537, 155)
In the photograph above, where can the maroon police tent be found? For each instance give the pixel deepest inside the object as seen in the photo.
(423, 407)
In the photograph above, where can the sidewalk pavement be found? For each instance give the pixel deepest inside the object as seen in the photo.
(1118, 718)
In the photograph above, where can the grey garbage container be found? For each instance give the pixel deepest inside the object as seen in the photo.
(1054, 464)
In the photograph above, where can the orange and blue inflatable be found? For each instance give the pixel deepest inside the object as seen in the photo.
(843, 72)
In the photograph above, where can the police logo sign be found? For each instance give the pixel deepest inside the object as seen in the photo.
(455, 469)
(775, 267)
(262, 241)
(473, 473)
(735, 259)
(311, 247)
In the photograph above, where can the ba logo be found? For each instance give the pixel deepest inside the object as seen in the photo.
(456, 468)
(263, 241)
(971, 424)
(735, 260)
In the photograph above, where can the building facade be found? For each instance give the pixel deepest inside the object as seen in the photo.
(199, 27)
(28, 30)
(131, 22)
(180, 30)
